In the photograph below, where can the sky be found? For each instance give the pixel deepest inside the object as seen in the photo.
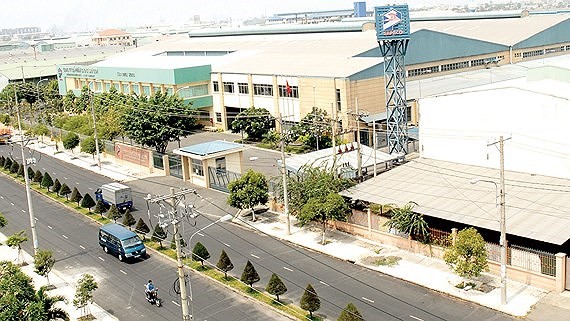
(83, 15)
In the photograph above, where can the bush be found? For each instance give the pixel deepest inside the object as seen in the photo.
(141, 227)
(14, 167)
(38, 176)
(200, 253)
(70, 141)
(87, 202)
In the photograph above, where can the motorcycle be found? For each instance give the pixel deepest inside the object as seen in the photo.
(152, 297)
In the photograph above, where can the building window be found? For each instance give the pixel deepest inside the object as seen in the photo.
(107, 87)
(146, 90)
(218, 117)
(262, 90)
(228, 87)
(283, 91)
(243, 88)
(117, 87)
(533, 53)
(197, 167)
(126, 89)
(192, 91)
(454, 66)
(169, 91)
(216, 86)
(220, 165)
(156, 89)
(136, 89)
(338, 101)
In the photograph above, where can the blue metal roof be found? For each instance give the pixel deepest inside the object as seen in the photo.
(119, 231)
(208, 148)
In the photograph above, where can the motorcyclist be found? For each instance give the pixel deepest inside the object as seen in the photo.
(149, 289)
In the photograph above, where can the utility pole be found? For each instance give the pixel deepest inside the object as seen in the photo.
(374, 144)
(173, 199)
(333, 133)
(503, 225)
(27, 179)
(358, 154)
(284, 175)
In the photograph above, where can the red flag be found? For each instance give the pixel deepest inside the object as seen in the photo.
(288, 88)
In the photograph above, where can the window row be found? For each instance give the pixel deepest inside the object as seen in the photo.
(146, 90)
(258, 89)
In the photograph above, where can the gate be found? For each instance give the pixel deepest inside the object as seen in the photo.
(175, 165)
(567, 273)
(220, 178)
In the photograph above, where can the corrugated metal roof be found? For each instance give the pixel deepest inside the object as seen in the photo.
(537, 207)
(501, 31)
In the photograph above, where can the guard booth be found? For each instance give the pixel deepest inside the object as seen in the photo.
(212, 164)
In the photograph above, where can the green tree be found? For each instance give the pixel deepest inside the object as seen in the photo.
(405, 220)
(255, 122)
(88, 146)
(322, 210)
(113, 213)
(8, 163)
(99, 208)
(314, 129)
(2, 160)
(14, 167)
(40, 130)
(70, 141)
(65, 191)
(350, 313)
(69, 102)
(276, 286)
(173, 242)
(249, 190)
(225, 264)
(468, 256)
(249, 275)
(38, 176)
(43, 308)
(16, 291)
(142, 228)
(157, 120)
(31, 174)
(310, 300)
(158, 235)
(21, 170)
(56, 186)
(3, 220)
(75, 196)
(87, 202)
(44, 262)
(128, 219)
(200, 253)
(47, 181)
(15, 241)
(84, 293)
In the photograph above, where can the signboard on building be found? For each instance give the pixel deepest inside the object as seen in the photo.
(392, 22)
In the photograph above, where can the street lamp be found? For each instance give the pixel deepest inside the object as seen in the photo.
(503, 241)
(38, 88)
(224, 218)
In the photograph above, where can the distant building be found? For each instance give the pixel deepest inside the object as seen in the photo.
(112, 37)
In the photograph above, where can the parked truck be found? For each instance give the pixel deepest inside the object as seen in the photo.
(115, 194)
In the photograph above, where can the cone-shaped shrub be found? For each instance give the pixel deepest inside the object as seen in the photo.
(76, 196)
(113, 213)
(224, 263)
(64, 191)
(158, 235)
(128, 219)
(310, 300)
(7, 163)
(87, 202)
(38, 176)
(47, 181)
(200, 253)
(350, 313)
(14, 167)
(31, 173)
(249, 275)
(99, 208)
(142, 228)
(276, 286)
(56, 186)
(21, 170)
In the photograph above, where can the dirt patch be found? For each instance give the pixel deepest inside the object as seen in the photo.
(382, 260)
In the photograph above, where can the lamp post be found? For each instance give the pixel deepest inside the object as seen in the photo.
(224, 218)
(500, 193)
(38, 87)
(27, 179)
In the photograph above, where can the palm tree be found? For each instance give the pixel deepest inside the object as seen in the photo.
(47, 303)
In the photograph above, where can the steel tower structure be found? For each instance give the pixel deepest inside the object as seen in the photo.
(393, 35)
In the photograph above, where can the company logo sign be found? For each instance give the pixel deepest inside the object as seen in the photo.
(392, 22)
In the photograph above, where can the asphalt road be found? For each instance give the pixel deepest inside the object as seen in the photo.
(377, 296)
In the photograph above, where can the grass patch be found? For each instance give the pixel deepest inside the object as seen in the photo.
(387, 261)
(378, 250)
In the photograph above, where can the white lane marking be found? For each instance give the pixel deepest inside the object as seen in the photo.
(65, 237)
(82, 247)
(36, 219)
(125, 273)
(102, 259)
(200, 234)
(90, 188)
(175, 303)
(416, 318)
(226, 244)
(51, 228)
(23, 211)
(288, 269)
(76, 183)
(65, 178)
(255, 256)
(323, 283)
(2, 197)
(367, 299)
(12, 203)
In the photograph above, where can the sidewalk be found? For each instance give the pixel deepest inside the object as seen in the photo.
(64, 283)
(522, 299)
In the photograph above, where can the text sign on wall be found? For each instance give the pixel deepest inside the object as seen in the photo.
(392, 22)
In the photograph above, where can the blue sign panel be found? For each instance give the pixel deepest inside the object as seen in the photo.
(392, 22)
